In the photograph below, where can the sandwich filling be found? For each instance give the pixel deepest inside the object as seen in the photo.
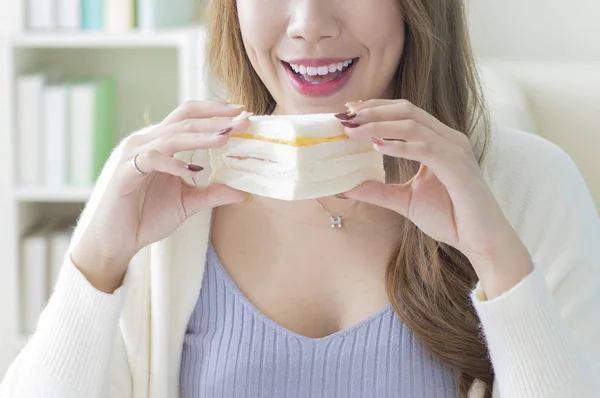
(296, 141)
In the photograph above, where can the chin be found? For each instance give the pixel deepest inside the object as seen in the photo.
(308, 109)
(302, 105)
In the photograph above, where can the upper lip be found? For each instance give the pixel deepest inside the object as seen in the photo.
(317, 61)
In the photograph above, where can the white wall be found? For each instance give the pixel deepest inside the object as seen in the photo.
(536, 29)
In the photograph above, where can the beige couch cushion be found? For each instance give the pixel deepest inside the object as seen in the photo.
(558, 101)
(506, 100)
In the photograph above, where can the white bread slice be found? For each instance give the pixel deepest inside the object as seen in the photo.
(267, 162)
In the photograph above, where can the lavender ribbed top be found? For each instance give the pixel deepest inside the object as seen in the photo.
(231, 350)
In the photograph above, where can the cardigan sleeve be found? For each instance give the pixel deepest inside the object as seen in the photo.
(543, 334)
(70, 353)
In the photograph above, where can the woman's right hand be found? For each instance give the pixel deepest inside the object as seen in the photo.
(136, 209)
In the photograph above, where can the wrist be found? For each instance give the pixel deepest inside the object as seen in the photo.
(503, 269)
(105, 274)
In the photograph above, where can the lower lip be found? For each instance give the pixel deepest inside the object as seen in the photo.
(321, 89)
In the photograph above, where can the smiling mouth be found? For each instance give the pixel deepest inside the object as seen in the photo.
(320, 74)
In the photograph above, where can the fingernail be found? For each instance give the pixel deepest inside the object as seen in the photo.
(242, 116)
(341, 196)
(352, 104)
(377, 141)
(194, 167)
(350, 125)
(236, 106)
(224, 131)
(249, 199)
(346, 115)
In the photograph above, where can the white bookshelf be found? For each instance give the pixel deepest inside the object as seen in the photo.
(51, 195)
(166, 39)
(155, 71)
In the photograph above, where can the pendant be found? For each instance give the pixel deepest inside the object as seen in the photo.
(336, 221)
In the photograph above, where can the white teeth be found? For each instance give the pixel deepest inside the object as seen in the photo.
(323, 70)
(320, 70)
(311, 71)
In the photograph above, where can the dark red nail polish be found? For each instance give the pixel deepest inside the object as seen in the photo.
(346, 116)
(377, 141)
(350, 125)
(224, 131)
(194, 167)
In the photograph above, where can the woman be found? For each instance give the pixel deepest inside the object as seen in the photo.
(472, 272)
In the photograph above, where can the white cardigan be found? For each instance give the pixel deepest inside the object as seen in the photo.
(543, 335)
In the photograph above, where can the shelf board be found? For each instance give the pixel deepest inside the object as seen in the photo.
(52, 195)
(136, 39)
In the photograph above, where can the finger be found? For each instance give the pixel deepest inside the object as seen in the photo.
(196, 199)
(189, 142)
(202, 110)
(407, 130)
(447, 163)
(395, 197)
(189, 111)
(194, 134)
(150, 161)
(381, 110)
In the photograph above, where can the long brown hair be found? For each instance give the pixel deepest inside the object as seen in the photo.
(428, 283)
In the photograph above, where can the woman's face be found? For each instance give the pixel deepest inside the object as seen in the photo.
(315, 55)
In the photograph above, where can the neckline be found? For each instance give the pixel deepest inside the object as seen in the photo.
(241, 297)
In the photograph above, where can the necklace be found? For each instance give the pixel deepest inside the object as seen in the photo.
(336, 221)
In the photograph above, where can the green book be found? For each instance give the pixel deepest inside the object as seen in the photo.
(105, 137)
(92, 129)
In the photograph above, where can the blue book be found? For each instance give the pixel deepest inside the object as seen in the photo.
(92, 14)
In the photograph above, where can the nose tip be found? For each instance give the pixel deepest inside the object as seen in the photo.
(313, 21)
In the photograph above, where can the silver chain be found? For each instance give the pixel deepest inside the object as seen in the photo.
(336, 221)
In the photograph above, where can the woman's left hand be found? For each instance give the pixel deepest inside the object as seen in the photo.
(448, 199)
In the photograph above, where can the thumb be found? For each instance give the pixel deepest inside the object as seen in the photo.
(395, 197)
(196, 199)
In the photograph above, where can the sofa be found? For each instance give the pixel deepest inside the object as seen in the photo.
(559, 101)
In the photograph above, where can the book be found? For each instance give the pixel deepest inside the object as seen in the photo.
(29, 119)
(160, 14)
(92, 129)
(119, 15)
(105, 138)
(34, 274)
(81, 131)
(55, 135)
(60, 239)
(92, 15)
(41, 15)
(68, 15)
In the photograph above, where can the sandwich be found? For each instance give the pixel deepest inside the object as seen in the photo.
(295, 157)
